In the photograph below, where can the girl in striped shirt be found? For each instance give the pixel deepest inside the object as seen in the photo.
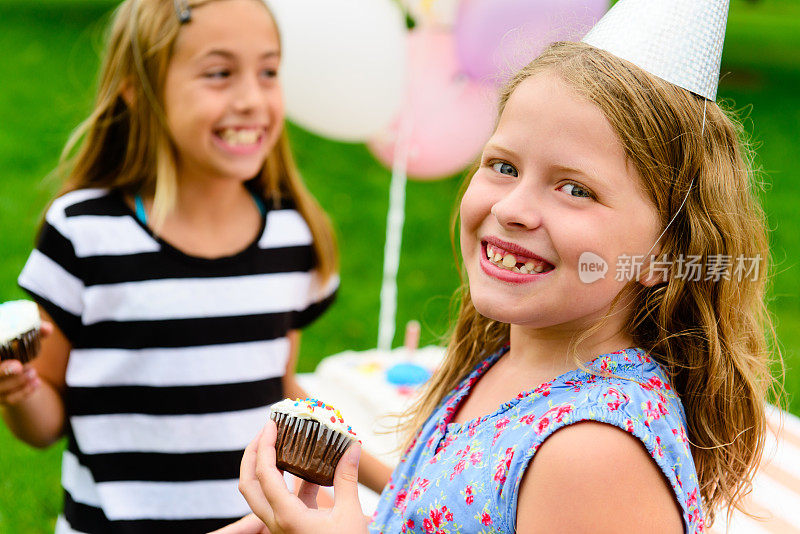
(176, 267)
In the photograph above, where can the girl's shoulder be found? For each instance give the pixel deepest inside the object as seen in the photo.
(606, 475)
(80, 202)
(92, 222)
(628, 390)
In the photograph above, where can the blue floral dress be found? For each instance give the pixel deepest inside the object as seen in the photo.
(460, 478)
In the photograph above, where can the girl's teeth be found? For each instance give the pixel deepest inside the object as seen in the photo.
(509, 261)
(240, 137)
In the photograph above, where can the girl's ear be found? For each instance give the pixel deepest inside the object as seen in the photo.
(655, 271)
(651, 279)
(127, 92)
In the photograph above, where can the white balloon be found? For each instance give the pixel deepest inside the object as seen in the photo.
(343, 65)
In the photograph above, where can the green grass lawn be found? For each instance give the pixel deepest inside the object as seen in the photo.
(49, 56)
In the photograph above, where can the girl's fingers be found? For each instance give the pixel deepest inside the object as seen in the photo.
(10, 368)
(249, 486)
(308, 493)
(345, 482)
(271, 480)
(20, 394)
(10, 393)
(46, 328)
(252, 523)
(14, 378)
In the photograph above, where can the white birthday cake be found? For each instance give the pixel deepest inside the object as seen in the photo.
(373, 385)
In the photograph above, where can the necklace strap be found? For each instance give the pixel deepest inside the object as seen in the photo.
(140, 213)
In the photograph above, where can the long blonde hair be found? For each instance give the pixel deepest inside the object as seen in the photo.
(714, 338)
(129, 148)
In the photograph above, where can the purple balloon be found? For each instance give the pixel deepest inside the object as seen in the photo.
(495, 38)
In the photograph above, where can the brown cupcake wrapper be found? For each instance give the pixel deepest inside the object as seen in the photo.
(24, 347)
(308, 449)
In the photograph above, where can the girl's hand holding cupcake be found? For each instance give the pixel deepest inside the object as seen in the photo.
(19, 380)
(265, 490)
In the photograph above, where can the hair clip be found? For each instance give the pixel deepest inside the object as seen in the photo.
(183, 10)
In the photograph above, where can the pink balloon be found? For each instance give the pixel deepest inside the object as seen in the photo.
(495, 38)
(449, 117)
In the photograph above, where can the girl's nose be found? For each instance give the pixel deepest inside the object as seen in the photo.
(520, 209)
(249, 94)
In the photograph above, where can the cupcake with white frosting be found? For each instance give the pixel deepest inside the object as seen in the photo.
(19, 330)
(312, 437)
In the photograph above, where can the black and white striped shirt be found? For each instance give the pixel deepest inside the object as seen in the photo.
(175, 360)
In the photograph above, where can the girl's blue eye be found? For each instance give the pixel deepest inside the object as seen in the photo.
(270, 73)
(576, 190)
(505, 168)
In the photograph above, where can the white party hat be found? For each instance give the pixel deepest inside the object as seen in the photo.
(679, 41)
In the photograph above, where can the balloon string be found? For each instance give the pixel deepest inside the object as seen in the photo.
(394, 235)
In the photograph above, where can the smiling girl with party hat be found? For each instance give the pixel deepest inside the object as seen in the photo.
(632, 401)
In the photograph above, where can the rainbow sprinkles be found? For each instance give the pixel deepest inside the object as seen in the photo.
(316, 410)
